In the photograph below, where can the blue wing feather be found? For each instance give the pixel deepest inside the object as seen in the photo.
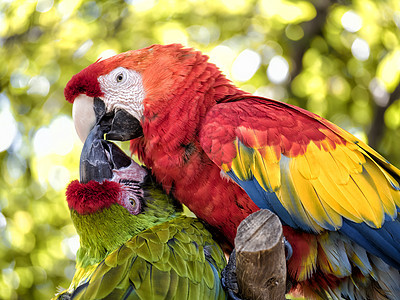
(265, 200)
(379, 242)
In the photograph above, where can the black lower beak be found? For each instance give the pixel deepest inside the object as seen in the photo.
(119, 125)
(124, 127)
(99, 157)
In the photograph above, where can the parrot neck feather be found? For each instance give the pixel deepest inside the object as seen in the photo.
(105, 230)
(174, 113)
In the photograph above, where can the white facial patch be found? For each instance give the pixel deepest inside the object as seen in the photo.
(123, 89)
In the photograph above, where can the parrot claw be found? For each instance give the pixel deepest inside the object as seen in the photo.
(65, 296)
(288, 249)
(228, 278)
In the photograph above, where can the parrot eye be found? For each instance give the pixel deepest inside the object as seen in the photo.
(132, 202)
(120, 77)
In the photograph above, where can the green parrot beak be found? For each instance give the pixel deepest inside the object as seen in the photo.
(99, 157)
(118, 125)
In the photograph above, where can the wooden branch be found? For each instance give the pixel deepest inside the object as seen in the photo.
(260, 257)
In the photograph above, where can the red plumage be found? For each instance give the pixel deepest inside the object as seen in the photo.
(84, 82)
(289, 131)
(92, 196)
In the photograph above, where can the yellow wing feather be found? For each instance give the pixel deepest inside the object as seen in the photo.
(329, 180)
(266, 170)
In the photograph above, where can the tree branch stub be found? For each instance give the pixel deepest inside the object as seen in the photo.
(260, 257)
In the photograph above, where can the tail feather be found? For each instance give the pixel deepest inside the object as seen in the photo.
(388, 278)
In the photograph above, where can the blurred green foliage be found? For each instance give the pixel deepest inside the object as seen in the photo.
(340, 59)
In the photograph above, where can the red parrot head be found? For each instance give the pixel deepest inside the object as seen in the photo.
(120, 91)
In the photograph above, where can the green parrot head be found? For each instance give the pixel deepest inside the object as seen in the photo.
(114, 200)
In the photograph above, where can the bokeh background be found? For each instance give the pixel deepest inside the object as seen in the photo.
(339, 59)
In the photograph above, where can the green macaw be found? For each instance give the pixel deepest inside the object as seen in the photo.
(135, 243)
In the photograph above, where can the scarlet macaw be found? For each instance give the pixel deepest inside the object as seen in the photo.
(225, 153)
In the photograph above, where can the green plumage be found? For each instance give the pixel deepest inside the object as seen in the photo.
(157, 254)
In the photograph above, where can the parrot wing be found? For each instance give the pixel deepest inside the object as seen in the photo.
(314, 175)
(173, 260)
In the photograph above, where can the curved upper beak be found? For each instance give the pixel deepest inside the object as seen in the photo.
(99, 157)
